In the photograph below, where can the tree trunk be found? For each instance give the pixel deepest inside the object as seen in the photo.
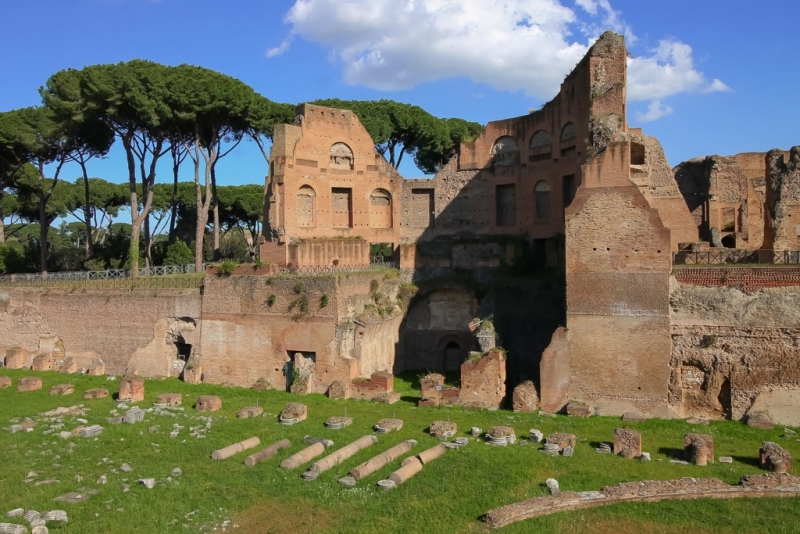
(136, 220)
(173, 216)
(87, 212)
(43, 227)
(2, 217)
(215, 204)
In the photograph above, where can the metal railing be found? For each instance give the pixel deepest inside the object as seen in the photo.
(736, 256)
(32, 279)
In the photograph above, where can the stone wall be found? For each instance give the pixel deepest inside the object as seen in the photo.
(128, 329)
(618, 266)
(735, 351)
(344, 326)
(782, 229)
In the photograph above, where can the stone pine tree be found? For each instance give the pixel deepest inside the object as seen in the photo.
(44, 141)
(130, 99)
(212, 110)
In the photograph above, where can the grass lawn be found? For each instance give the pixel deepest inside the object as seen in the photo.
(448, 495)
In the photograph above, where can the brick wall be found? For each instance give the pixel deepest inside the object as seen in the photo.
(115, 325)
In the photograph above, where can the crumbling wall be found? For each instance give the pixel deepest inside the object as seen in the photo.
(253, 325)
(782, 229)
(618, 264)
(110, 324)
(735, 351)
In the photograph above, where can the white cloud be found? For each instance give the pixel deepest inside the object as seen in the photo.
(513, 45)
(668, 71)
(280, 49)
(655, 110)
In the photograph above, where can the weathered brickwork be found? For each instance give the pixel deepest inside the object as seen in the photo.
(127, 329)
(782, 230)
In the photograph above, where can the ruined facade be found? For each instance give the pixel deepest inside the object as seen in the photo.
(611, 326)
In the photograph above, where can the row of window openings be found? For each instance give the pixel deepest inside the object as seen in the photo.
(506, 151)
(506, 200)
(608, 249)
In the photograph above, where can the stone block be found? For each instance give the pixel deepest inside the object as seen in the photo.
(170, 399)
(5, 382)
(262, 384)
(389, 397)
(578, 409)
(775, 458)
(15, 358)
(339, 389)
(627, 443)
(96, 368)
(70, 366)
(525, 397)
(193, 371)
(760, 420)
(134, 415)
(29, 383)
(384, 426)
(293, 413)
(131, 387)
(62, 389)
(562, 439)
(698, 448)
(249, 411)
(95, 393)
(42, 362)
(208, 403)
(443, 429)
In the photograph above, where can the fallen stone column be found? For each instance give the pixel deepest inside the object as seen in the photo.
(230, 450)
(343, 454)
(306, 455)
(431, 454)
(409, 469)
(264, 454)
(377, 462)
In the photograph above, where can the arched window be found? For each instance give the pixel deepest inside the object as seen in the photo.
(540, 146)
(541, 193)
(568, 132)
(505, 152)
(306, 206)
(380, 209)
(341, 157)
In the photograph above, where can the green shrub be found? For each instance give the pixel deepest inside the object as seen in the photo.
(323, 301)
(178, 253)
(271, 300)
(226, 268)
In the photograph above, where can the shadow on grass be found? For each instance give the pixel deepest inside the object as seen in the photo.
(409, 398)
(671, 452)
(748, 460)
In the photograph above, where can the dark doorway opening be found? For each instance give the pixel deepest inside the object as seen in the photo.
(729, 241)
(184, 349)
(724, 397)
(452, 356)
(288, 371)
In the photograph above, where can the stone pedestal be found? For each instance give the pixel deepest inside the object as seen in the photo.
(5, 382)
(170, 399)
(131, 387)
(62, 389)
(698, 449)
(339, 390)
(294, 411)
(249, 411)
(95, 393)
(29, 383)
(69, 366)
(208, 403)
(96, 368)
(443, 429)
(562, 439)
(775, 458)
(193, 371)
(42, 362)
(15, 358)
(525, 397)
(627, 443)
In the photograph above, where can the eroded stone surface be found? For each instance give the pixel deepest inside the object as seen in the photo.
(443, 429)
(29, 383)
(627, 443)
(525, 397)
(208, 403)
(131, 387)
(775, 458)
(698, 448)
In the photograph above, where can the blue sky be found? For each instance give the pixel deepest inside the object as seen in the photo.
(706, 77)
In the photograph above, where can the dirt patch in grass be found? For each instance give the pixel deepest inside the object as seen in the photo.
(280, 516)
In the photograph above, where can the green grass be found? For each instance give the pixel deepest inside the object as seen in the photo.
(449, 495)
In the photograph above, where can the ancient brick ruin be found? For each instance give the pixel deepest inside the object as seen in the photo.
(599, 318)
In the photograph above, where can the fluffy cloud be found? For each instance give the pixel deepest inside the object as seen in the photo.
(655, 110)
(513, 45)
(669, 70)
